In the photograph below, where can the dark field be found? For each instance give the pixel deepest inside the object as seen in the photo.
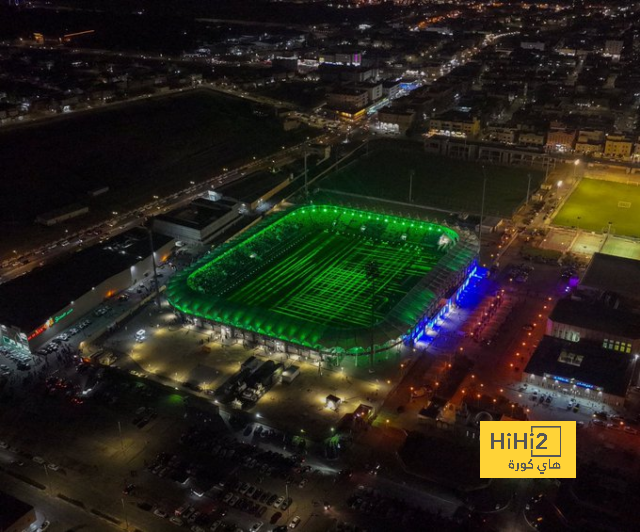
(438, 182)
(138, 150)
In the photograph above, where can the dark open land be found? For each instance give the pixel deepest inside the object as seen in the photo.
(138, 150)
(438, 182)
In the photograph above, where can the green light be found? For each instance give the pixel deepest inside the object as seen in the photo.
(306, 282)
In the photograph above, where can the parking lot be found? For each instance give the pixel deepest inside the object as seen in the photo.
(193, 359)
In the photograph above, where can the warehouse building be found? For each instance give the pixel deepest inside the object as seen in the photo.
(15, 515)
(34, 308)
(198, 221)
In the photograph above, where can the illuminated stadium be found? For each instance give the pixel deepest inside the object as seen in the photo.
(305, 278)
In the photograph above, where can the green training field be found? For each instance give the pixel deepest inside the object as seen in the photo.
(596, 203)
(438, 181)
(301, 277)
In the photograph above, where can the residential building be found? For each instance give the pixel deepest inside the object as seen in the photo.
(455, 123)
(529, 138)
(505, 135)
(396, 119)
(347, 98)
(613, 48)
(562, 140)
(587, 147)
(391, 89)
(618, 147)
(373, 88)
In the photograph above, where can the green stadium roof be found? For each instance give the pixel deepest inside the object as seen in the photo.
(300, 277)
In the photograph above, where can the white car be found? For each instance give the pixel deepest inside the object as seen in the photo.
(176, 520)
(256, 526)
(38, 460)
(295, 522)
(158, 512)
(53, 467)
(278, 502)
(3, 445)
(44, 526)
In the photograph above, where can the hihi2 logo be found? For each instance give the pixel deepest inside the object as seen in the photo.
(527, 449)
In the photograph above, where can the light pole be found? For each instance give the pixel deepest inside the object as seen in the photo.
(46, 472)
(155, 269)
(306, 175)
(484, 190)
(121, 440)
(126, 517)
(411, 175)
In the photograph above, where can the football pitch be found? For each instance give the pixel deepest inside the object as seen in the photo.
(596, 203)
(323, 279)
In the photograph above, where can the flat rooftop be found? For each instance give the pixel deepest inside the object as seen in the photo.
(583, 362)
(608, 273)
(597, 316)
(29, 301)
(254, 186)
(11, 510)
(199, 213)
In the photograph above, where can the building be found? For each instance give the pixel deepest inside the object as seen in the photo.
(15, 515)
(198, 221)
(391, 88)
(591, 135)
(36, 307)
(609, 274)
(613, 48)
(347, 98)
(618, 147)
(341, 58)
(562, 140)
(61, 215)
(533, 45)
(529, 138)
(332, 73)
(374, 90)
(592, 338)
(604, 321)
(505, 135)
(587, 147)
(583, 369)
(396, 119)
(455, 123)
(254, 191)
